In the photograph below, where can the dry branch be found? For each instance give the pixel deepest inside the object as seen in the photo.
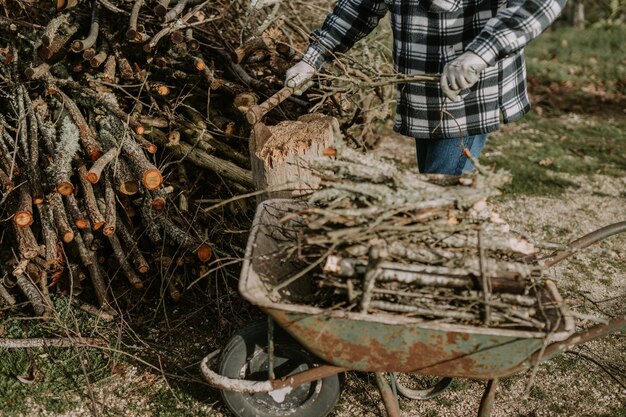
(80, 45)
(94, 173)
(89, 199)
(50, 342)
(60, 218)
(86, 120)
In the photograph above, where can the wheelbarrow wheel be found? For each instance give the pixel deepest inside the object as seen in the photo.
(245, 357)
(422, 388)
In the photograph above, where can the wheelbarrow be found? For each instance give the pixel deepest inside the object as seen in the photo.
(294, 369)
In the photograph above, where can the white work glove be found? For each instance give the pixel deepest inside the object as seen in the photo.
(461, 73)
(299, 75)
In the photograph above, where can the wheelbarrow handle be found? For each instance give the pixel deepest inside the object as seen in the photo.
(256, 113)
(267, 386)
(585, 241)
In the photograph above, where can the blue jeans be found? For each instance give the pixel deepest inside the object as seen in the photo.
(445, 156)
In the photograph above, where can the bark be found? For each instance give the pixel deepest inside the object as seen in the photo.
(94, 173)
(30, 290)
(110, 213)
(89, 199)
(64, 230)
(185, 240)
(86, 135)
(80, 45)
(51, 29)
(48, 232)
(23, 216)
(130, 245)
(35, 178)
(161, 8)
(63, 34)
(124, 265)
(125, 182)
(27, 245)
(202, 159)
(131, 33)
(5, 181)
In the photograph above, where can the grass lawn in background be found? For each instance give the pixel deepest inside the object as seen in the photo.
(585, 61)
(578, 123)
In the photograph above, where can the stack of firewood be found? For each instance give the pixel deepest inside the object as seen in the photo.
(116, 118)
(378, 238)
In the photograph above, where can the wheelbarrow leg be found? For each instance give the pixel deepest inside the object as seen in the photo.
(486, 403)
(389, 398)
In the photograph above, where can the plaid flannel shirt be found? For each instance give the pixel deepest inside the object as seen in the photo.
(428, 34)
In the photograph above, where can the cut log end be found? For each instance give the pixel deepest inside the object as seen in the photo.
(204, 252)
(92, 177)
(95, 155)
(129, 187)
(77, 46)
(193, 45)
(139, 129)
(131, 34)
(68, 236)
(98, 225)
(284, 49)
(152, 179)
(89, 53)
(81, 223)
(23, 218)
(143, 269)
(175, 294)
(29, 73)
(177, 37)
(163, 90)
(160, 10)
(138, 285)
(97, 60)
(200, 65)
(158, 203)
(108, 230)
(65, 188)
(173, 138)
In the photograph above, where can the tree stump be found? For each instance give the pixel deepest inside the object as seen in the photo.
(279, 154)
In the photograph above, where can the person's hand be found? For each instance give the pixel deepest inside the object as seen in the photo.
(299, 75)
(461, 73)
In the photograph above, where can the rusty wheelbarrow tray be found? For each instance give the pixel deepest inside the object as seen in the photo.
(390, 343)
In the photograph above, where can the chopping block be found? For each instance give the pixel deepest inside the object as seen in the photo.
(280, 154)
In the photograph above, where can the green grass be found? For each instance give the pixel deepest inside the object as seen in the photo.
(62, 375)
(576, 69)
(65, 378)
(538, 151)
(580, 57)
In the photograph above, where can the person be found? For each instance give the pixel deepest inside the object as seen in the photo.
(477, 47)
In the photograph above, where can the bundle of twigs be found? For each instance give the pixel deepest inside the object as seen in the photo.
(378, 238)
(118, 121)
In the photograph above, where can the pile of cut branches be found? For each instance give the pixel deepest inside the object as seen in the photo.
(381, 239)
(119, 123)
